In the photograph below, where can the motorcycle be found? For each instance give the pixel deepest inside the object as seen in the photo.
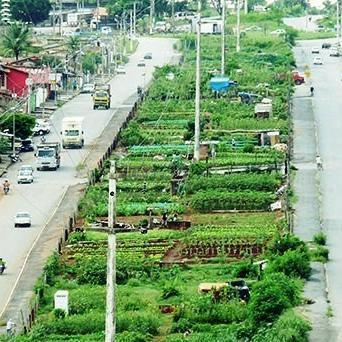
(2, 268)
(6, 190)
(14, 158)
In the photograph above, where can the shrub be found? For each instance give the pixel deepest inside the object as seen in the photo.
(281, 244)
(76, 237)
(128, 336)
(87, 298)
(59, 313)
(245, 269)
(144, 323)
(289, 327)
(320, 254)
(92, 270)
(170, 290)
(271, 297)
(51, 268)
(294, 264)
(320, 238)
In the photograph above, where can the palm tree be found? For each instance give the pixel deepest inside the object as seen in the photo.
(73, 45)
(17, 39)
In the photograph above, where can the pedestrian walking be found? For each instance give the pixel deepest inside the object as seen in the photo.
(9, 327)
(319, 162)
(164, 219)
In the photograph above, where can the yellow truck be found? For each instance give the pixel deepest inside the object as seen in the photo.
(101, 96)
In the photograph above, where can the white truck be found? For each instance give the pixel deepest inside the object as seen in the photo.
(48, 156)
(72, 133)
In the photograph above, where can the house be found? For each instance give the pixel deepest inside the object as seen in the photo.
(25, 78)
(208, 25)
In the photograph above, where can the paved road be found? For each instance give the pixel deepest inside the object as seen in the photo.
(327, 123)
(43, 196)
(303, 23)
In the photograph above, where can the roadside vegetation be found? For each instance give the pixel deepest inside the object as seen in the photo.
(226, 196)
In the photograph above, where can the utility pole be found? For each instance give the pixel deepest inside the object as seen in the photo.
(198, 85)
(246, 6)
(238, 27)
(339, 42)
(338, 21)
(173, 15)
(111, 258)
(151, 16)
(134, 17)
(223, 36)
(54, 18)
(60, 16)
(131, 30)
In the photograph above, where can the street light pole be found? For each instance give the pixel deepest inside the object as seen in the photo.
(338, 21)
(111, 259)
(151, 16)
(60, 16)
(223, 36)
(238, 27)
(198, 85)
(245, 6)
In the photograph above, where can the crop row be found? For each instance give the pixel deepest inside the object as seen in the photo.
(224, 200)
(234, 182)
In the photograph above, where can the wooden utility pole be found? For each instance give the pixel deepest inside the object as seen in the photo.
(198, 85)
(223, 36)
(111, 258)
(238, 27)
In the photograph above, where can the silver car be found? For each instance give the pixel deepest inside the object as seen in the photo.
(22, 219)
(24, 176)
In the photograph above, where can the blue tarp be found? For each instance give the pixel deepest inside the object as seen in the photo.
(221, 84)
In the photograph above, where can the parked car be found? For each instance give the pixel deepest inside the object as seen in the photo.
(141, 63)
(318, 61)
(121, 70)
(297, 78)
(22, 219)
(148, 55)
(26, 146)
(278, 32)
(334, 53)
(41, 128)
(88, 88)
(106, 30)
(315, 49)
(25, 176)
(326, 46)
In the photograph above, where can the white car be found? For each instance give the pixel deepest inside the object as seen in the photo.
(22, 219)
(315, 49)
(25, 177)
(141, 63)
(318, 61)
(41, 128)
(26, 168)
(88, 88)
(334, 53)
(106, 30)
(121, 70)
(278, 32)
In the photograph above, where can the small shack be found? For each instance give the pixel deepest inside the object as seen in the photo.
(263, 110)
(208, 25)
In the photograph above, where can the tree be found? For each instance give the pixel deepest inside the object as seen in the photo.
(17, 39)
(73, 45)
(23, 124)
(30, 11)
(90, 61)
